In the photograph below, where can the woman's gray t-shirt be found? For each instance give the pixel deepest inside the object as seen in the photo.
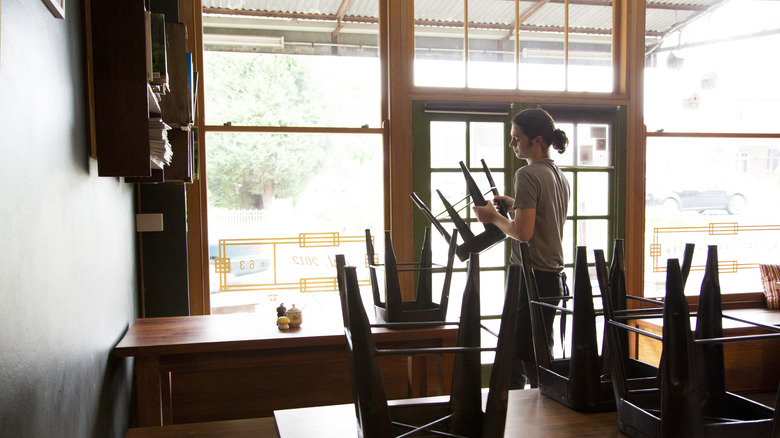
(541, 185)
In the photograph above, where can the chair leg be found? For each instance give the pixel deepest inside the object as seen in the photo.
(709, 324)
(681, 413)
(584, 366)
(466, 394)
(498, 395)
(373, 414)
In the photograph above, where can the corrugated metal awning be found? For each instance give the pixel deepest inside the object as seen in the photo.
(340, 23)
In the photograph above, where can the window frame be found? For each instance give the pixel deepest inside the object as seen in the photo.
(611, 115)
(396, 22)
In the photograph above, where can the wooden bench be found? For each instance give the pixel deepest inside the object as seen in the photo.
(751, 366)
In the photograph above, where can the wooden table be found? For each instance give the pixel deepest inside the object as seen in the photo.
(221, 367)
(529, 414)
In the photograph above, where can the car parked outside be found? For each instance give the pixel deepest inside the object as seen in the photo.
(699, 200)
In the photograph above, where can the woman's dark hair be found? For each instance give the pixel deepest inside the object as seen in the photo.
(535, 122)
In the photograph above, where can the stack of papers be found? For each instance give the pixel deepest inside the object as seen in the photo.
(160, 151)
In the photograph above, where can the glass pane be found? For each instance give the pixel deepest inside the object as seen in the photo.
(262, 89)
(568, 242)
(453, 188)
(439, 37)
(488, 340)
(492, 287)
(716, 74)
(727, 197)
(498, 178)
(491, 44)
(593, 233)
(590, 55)
(439, 247)
(593, 145)
(268, 190)
(487, 142)
(494, 256)
(592, 193)
(457, 286)
(567, 157)
(541, 51)
(572, 189)
(448, 144)
(482, 182)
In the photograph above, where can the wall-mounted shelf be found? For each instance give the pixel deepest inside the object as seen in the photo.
(125, 97)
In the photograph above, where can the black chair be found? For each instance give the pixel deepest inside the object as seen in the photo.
(394, 308)
(581, 381)
(462, 414)
(471, 243)
(690, 398)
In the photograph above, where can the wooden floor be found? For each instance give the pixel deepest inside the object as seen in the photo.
(248, 428)
(530, 415)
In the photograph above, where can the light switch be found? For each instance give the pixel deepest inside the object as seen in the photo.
(148, 222)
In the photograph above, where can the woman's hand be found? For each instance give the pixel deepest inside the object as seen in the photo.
(503, 202)
(486, 214)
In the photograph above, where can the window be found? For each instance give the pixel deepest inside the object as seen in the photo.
(711, 99)
(526, 45)
(293, 150)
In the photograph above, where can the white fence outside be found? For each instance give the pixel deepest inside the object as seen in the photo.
(221, 217)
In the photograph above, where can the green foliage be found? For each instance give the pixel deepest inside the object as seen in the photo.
(249, 170)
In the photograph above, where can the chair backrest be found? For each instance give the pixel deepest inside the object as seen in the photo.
(541, 349)
(368, 389)
(465, 415)
(585, 363)
(576, 382)
(500, 375)
(680, 404)
(690, 398)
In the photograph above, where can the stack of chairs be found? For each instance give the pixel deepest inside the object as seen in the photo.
(462, 415)
(394, 308)
(471, 243)
(582, 381)
(690, 398)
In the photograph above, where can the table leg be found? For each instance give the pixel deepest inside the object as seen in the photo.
(417, 367)
(147, 372)
(165, 391)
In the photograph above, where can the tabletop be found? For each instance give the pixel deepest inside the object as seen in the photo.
(240, 331)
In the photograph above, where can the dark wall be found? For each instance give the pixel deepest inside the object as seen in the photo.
(165, 278)
(67, 243)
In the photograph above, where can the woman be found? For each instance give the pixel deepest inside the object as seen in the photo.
(539, 213)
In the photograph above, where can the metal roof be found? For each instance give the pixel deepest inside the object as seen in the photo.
(334, 17)
(662, 15)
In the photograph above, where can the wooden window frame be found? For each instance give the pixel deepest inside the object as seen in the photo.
(398, 92)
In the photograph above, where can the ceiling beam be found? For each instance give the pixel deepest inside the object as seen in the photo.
(340, 14)
(532, 10)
